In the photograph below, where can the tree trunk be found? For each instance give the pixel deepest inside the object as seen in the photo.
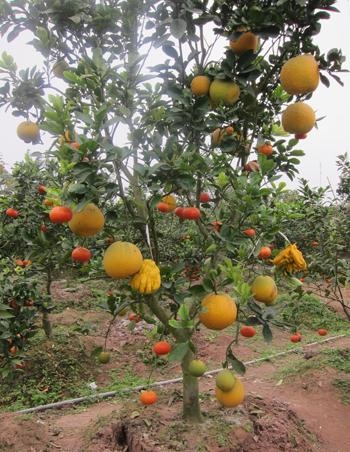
(47, 327)
(190, 408)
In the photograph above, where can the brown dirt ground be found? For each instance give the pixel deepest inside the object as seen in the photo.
(303, 415)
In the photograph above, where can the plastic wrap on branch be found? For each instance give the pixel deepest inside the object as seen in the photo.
(147, 280)
(290, 259)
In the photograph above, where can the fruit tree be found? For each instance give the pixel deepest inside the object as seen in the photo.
(150, 103)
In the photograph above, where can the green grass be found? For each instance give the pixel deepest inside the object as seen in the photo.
(343, 385)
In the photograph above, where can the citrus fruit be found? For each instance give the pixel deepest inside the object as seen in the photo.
(104, 357)
(87, 222)
(225, 380)
(218, 311)
(28, 131)
(163, 207)
(60, 214)
(250, 232)
(179, 212)
(265, 149)
(295, 338)
(41, 189)
(191, 213)
(322, 332)
(264, 289)
(245, 41)
(247, 331)
(161, 348)
(59, 67)
(298, 118)
(171, 201)
(122, 259)
(196, 368)
(81, 254)
(264, 253)
(200, 85)
(300, 74)
(224, 92)
(232, 398)
(148, 397)
(204, 197)
(11, 212)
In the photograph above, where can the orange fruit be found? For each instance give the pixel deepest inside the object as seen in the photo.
(148, 397)
(122, 259)
(87, 222)
(298, 118)
(162, 348)
(250, 232)
(200, 85)
(264, 253)
(265, 149)
(295, 337)
(28, 131)
(48, 202)
(300, 74)
(224, 92)
(81, 254)
(163, 207)
(191, 213)
(246, 41)
(247, 331)
(218, 311)
(232, 398)
(264, 289)
(204, 197)
(11, 212)
(171, 201)
(60, 214)
(322, 332)
(41, 189)
(133, 317)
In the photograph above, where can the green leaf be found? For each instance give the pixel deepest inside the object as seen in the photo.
(267, 333)
(179, 351)
(174, 323)
(6, 315)
(183, 312)
(235, 363)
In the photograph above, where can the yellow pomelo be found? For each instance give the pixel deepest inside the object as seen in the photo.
(264, 289)
(122, 259)
(28, 131)
(218, 311)
(88, 221)
(200, 85)
(298, 118)
(300, 75)
(224, 92)
(245, 41)
(225, 380)
(232, 398)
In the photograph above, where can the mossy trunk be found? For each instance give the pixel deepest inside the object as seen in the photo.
(190, 388)
(47, 327)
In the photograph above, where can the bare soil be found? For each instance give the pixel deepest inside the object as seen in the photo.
(302, 414)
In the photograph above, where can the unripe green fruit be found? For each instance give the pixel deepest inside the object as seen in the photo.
(225, 380)
(197, 367)
(104, 357)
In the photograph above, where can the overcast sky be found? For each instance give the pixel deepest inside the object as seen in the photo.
(321, 146)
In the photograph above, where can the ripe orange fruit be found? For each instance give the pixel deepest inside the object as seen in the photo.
(218, 311)
(48, 202)
(248, 331)
(171, 201)
(28, 131)
(296, 337)
(246, 41)
(162, 348)
(122, 259)
(191, 213)
(81, 254)
(265, 252)
(163, 207)
(87, 222)
(11, 212)
(216, 225)
(229, 130)
(264, 289)
(26, 262)
(41, 189)
(148, 397)
(265, 149)
(224, 92)
(60, 214)
(133, 317)
(204, 197)
(298, 118)
(250, 232)
(232, 398)
(179, 212)
(300, 74)
(200, 85)
(322, 332)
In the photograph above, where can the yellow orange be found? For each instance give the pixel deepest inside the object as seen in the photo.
(300, 74)
(232, 398)
(200, 85)
(298, 118)
(88, 221)
(122, 259)
(218, 311)
(245, 41)
(224, 92)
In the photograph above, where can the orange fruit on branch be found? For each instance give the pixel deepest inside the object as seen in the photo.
(247, 331)
(163, 207)
(28, 131)
(298, 118)
(300, 74)
(162, 348)
(232, 398)
(265, 252)
(245, 41)
(224, 92)
(218, 311)
(60, 214)
(11, 212)
(81, 254)
(250, 232)
(122, 259)
(87, 222)
(264, 289)
(265, 149)
(200, 85)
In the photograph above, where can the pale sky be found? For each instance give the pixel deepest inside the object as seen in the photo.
(321, 146)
